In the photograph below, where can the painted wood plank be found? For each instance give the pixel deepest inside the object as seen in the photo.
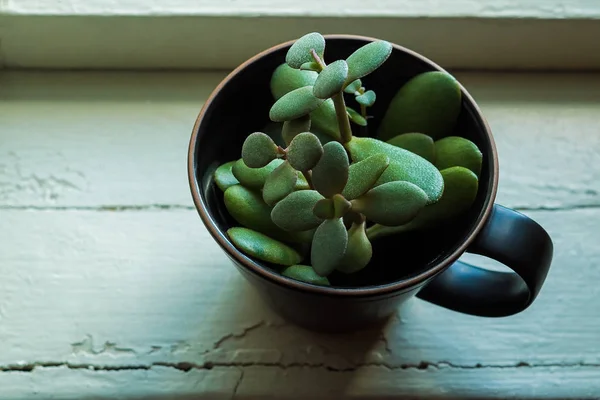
(120, 139)
(559, 9)
(138, 34)
(145, 288)
(161, 383)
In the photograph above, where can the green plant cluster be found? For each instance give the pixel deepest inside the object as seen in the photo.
(311, 196)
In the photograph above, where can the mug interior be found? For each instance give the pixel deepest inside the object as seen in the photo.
(240, 106)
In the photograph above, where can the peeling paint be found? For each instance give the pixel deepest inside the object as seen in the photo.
(86, 346)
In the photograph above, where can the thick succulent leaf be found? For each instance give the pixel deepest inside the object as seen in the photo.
(331, 80)
(285, 79)
(294, 104)
(328, 246)
(324, 119)
(340, 205)
(302, 183)
(305, 151)
(404, 165)
(249, 210)
(356, 117)
(262, 247)
(353, 86)
(362, 175)
(324, 209)
(295, 126)
(223, 176)
(310, 66)
(367, 59)
(258, 150)
(279, 183)
(367, 99)
(254, 178)
(460, 192)
(305, 273)
(299, 53)
(295, 211)
(455, 151)
(391, 204)
(429, 103)
(330, 174)
(415, 142)
(359, 250)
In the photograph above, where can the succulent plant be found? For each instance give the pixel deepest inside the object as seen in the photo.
(311, 196)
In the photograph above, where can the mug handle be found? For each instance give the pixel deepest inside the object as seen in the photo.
(516, 241)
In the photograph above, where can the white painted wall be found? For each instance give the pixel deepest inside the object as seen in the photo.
(336, 8)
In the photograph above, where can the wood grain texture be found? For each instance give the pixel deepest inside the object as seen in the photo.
(120, 139)
(141, 287)
(110, 286)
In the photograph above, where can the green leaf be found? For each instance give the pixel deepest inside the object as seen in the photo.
(460, 192)
(258, 150)
(295, 126)
(249, 210)
(302, 183)
(294, 104)
(417, 143)
(299, 52)
(362, 175)
(295, 211)
(253, 178)
(305, 151)
(310, 66)
(331, 80)
(340, 205)
(330, 174)
(328, 246)
(279, 183)
(285, 79)
(429, 103)
(324, 209)
(356, 117)
(359, 250)
(223, 176)
(353, 86)
(366, 99)
(324, 119)
(305, 273)
(391, 204)
(367, 59)
(404, 165)
(455, 151)
(262, 247)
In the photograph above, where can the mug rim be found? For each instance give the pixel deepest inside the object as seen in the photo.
(387, 288)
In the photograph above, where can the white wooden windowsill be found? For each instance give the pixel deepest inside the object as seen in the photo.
(220, 34)
(111, 286)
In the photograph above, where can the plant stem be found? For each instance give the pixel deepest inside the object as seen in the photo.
(342, 117)
(317, 59)
(308, 178)
(363, 111)
(363, 108)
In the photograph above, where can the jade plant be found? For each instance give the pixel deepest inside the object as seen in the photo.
(311, 195)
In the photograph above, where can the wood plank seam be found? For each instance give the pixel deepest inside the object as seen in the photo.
(188, 366)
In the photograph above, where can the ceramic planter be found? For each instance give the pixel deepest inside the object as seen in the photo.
(425, 264)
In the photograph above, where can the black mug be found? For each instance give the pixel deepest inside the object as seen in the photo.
(434, 274)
